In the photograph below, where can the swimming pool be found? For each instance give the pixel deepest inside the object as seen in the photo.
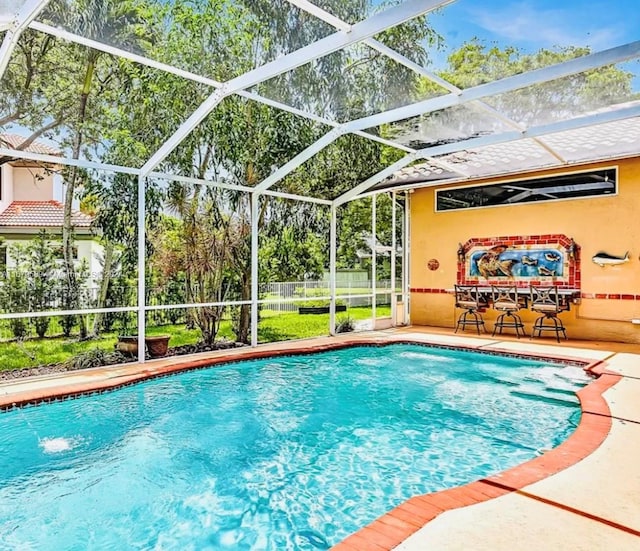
(281, 453)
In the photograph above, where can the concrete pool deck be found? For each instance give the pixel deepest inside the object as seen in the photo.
(583, 495)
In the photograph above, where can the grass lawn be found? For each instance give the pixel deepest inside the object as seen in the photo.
(273, 326)
(277, 326)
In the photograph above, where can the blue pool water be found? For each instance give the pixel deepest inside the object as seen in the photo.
(274, 454)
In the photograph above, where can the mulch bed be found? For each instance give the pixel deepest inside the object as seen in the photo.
(110, 358)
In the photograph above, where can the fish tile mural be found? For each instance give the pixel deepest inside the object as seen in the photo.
(522, 260)
(504, 261)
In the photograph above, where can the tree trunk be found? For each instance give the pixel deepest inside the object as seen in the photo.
(67, 227)
(109, 250)
(244, 322)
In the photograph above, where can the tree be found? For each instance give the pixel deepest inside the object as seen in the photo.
(209, 241)
(14, 291)
(475, 63)
(104, 20)
(288, 256)
(43, 280)
(35, 92)
(116, 111)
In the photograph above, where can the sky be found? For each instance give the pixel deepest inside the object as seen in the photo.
(534, 24)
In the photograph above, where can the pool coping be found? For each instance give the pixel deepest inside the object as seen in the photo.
(395, 526)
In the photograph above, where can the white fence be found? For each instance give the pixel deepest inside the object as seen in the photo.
(293, 293)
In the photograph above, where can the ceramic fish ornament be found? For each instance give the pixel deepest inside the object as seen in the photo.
(604, 259)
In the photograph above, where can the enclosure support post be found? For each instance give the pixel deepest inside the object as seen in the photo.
(255, 204)
(393, 259)
(406, 244)
(332, 270)
(374, 260)
(142, 249)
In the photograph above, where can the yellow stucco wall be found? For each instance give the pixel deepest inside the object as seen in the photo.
(607, 223)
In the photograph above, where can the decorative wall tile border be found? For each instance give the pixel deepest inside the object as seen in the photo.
(610, 296)
(598, 296)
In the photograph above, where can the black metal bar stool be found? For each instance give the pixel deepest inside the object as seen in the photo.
(470, 300)
(505, 299)
(547, 301)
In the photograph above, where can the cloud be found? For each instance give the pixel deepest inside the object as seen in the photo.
(521, 22)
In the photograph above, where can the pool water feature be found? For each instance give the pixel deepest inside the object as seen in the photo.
(290, 452)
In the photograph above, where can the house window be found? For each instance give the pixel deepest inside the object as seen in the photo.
(58, 254)
(3, 259)
(551, 188)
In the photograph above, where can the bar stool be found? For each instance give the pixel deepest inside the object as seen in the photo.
(470, 300)
(546, 301)
(506, 300)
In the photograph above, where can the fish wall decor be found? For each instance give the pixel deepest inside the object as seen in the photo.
(606, 259)
(515, 262)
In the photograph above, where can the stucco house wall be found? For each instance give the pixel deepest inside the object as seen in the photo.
(32, 184)
(610, 295)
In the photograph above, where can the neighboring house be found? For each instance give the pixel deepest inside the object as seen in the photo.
(30, 201)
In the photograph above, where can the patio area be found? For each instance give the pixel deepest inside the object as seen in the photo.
(583, 495)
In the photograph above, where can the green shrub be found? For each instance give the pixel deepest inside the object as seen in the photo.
(345, 324)
(320, 303)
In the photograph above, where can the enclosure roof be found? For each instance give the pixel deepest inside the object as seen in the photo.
(598, 142)
(372, 71)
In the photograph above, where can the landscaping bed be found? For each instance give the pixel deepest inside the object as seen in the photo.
(320, 309)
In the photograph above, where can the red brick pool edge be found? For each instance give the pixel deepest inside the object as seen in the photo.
(392, 528)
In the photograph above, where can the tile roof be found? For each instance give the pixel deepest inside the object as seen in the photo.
(40, 214)
(13, 141)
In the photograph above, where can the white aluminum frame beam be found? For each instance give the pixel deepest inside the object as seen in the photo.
(184, 130)
(406, 257)
(142, 250)
(374, 259)
(458, 97)
(199, 181)
(299, 159)
(373, 25)
(295, 197)
(81, 312)
(327, 17)
(494, 139)
(255, 289)
(28, 12)
(611, 56)
(394, 295)
(373, 180)
(119, 52)
(333, 245)
(55, 160)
